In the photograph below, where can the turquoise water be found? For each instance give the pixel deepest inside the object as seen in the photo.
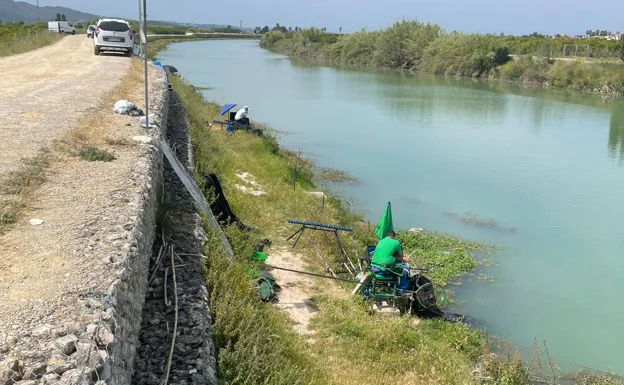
(547, 164)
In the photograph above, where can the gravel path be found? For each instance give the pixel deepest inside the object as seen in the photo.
(44, 93)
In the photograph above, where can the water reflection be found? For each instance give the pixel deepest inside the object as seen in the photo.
(616, 133)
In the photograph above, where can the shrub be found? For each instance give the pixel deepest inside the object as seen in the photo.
(464, 55)
(402, 45)
(355, 49)
(269, 39)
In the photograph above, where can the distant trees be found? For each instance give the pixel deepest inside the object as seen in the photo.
(598, 32)
(284, 29)
(279, 27)
(60, 17)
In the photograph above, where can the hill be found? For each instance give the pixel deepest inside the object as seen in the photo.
(11, 10)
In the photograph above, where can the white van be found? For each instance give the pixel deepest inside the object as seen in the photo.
(61, 27)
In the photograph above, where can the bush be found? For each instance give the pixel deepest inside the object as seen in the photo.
(464, 55)
(402, 45)
(355, 49)
(269, 39)
(526, 69)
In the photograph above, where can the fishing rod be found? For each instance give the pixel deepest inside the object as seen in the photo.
(340, 279)
(312, 274)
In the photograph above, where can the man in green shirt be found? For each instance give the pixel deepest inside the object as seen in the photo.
(388, 252)
(388, 258)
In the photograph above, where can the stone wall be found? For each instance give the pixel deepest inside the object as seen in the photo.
(107, 346)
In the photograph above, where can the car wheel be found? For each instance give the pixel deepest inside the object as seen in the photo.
(96, 50)
(73, 32)
(129, 53)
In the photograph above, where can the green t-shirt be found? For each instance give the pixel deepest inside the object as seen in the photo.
(386, 251)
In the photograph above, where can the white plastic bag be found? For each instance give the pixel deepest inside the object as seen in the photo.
(151, 121)
(123, 107)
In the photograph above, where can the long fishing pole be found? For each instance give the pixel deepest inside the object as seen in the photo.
(312, 274)
(339, 279)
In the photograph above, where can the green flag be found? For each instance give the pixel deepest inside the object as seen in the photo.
(385, 223)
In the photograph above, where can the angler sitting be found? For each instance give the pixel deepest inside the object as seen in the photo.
(241, 116)
(388, 259)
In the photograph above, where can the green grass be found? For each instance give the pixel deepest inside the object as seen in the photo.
(95, 154)
(413, 46)
(255, 341)
(18, 184)
(18, 38)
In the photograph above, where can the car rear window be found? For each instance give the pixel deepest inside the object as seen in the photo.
(114, 26)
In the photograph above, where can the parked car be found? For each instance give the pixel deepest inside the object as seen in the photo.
(61, 27)
(90, 30)
(113, 35)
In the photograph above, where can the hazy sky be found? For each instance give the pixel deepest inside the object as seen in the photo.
(508, 16)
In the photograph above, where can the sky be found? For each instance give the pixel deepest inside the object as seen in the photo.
(481, 16)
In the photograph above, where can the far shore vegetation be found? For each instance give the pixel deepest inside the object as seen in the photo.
(589, 65)
(21, 37)
(256, 343)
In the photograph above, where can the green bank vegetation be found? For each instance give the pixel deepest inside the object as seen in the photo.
(349, 345)
(21, 37)
(427, 48)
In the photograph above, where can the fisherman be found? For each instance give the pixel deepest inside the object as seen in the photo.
(389, 258)
(241, 116)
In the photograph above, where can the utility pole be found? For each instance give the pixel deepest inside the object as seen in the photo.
(37, 10)
(143, 44)
(241, 26)
(147, 121)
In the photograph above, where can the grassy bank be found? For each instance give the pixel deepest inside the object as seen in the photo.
(348, 344)
(18, 38)
(427, 48)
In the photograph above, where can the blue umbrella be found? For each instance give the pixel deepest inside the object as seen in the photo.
(226, 108)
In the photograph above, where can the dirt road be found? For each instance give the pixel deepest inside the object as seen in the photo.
(44, 92)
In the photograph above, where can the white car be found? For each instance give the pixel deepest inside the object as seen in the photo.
(113, 35)
(90, 30)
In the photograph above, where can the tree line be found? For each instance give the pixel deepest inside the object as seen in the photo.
(283, 29)
(598, 32)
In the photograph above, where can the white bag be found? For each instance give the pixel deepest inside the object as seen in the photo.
(123, 107)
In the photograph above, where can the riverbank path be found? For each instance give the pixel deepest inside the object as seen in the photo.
(44, 92)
